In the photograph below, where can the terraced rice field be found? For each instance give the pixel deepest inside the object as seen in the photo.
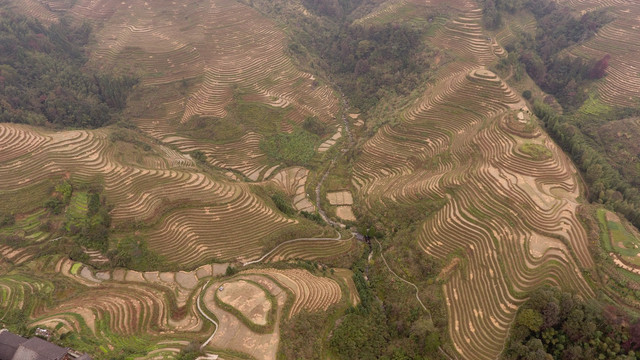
(136, 314)
(293, 181)
(214, 46)
(312, 293)
(293, 290)
(37, 9)
(621, 85)
(343, 200)
(247, 298)
(206, 50)
(155, 312)
(512, 217)
(311, 250)
(509, 221)
(331, 141)
(214, 225)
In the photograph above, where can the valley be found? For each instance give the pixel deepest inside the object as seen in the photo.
(259, 198)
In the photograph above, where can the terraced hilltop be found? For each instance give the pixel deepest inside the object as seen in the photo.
(510, 217)
(415, 226)
(620, 87)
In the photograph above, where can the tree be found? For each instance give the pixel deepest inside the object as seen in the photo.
(600, 67)
(531, 319)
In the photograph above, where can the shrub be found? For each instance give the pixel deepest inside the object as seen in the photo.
(132, 253)
(54, 205)
(526, 94)
(282, 203)
(315, 126)
(7, 220)
(199, 156)
(230, 271)
(314, 216)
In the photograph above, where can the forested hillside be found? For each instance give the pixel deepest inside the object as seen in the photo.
(42, 80)
(368, 62)
(558, 325)
(565, 77)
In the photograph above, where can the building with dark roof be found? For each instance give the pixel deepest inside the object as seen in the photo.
(9, 344)
(14, 347)
(38, 349)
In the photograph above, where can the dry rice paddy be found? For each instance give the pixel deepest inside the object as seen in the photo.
(510, 215)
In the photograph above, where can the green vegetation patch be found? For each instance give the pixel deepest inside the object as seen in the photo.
(78, 206)
(75, 267)
(621, 241)
(594, 106)
(242, 117)
(215, 129)
(620, 235)
(132, 252)
(535, 151)
(297, 148)
(604, 229)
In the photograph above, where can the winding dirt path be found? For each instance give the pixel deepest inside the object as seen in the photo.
(403, 280)
(204, 344)
(417, 293)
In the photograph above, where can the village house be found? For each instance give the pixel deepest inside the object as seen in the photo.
(15, 347)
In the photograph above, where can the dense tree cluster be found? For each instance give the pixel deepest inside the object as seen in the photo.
(132, 252)
(387, 324)
(366, 62)
(331, 8)
(368, 59)
(391, 56)
(300, 337)
(562, 76)
(492, 11)
(40, 81)
(313, 125)
(558, 325)
(599, 68)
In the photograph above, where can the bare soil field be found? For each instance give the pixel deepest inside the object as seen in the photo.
(345, 213)
(233, 334)
(340, 198)
(247, 298)
(454, 137)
